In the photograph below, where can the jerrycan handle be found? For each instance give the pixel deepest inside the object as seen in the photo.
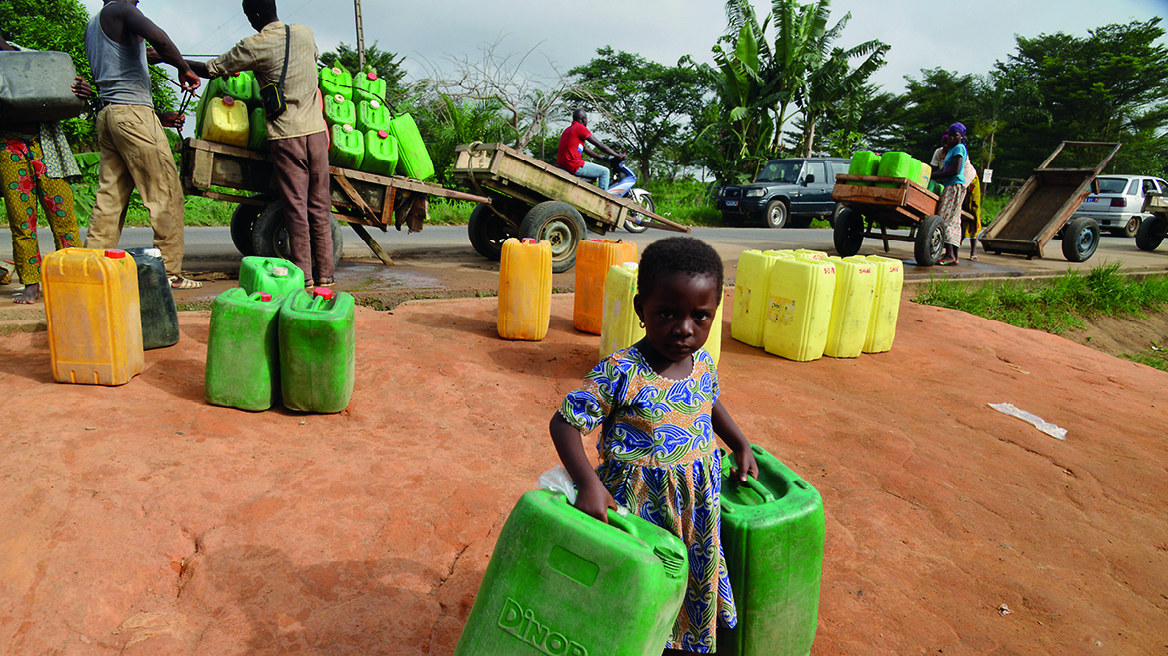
(758, 488)
(672, 560)
(619, 521)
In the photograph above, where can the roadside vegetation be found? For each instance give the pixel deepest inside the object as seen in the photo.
(1060, 304)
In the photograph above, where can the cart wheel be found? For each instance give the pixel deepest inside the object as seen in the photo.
(487, 232)
(1151, 233)
(776, 214)
(839, 207)
(646, 201)
(848, 232)
(243, 221)
(270, 238)
(930, 244)
(558, 223)
(1080, 239)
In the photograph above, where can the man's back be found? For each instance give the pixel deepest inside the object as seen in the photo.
(119, 70)
(570, 155)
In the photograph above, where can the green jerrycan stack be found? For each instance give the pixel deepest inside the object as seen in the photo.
(317, 350)
(367, 86)
(372, 115)
(336, 80)
(772, 535)
(257, 137)
(273, 275)
(213, 89)
(347, 149)
(339, 110)
(896, 165)
(413, 159)
(243, 87)
(155, 300)
(243, 351)
(560, 582)
(864, 162)
(380, 152)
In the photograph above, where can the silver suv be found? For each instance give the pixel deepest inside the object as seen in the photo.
(1118, 207)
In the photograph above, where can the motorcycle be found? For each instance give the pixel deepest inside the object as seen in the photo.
(621, 184)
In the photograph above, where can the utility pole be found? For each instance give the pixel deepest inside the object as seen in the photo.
(360, 36)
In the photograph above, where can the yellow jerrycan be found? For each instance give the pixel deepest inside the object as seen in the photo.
(714, 341)
(593, 259)
(885, 304)
(227, 121)
(803, 252)
(93, 315)
(799, 308)
(855, 287)
(620, 327)
(525, 289)
(751, 285)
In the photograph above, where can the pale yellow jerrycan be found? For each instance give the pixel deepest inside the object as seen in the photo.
(93, 315)
(851, 308)
(925, 176)
(804, 252)
(885, 304)
(751, 284)
(525, 289)
(620, 327)
(227, 121)
(713, 343)
(799, 308)
(593, 258)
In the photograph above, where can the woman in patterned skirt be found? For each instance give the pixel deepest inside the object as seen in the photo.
(952, 176)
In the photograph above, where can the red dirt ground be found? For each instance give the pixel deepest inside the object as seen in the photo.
(141, 520)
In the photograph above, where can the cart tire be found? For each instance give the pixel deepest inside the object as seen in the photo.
(646, 201)
(839, 207)
(1132, 228)
(848, 232)
(1080, 239)
(930, 243)
(558, 223)
(776, 214)
(487, 232)
(1151, 233)
(270, 237)
(243, 222)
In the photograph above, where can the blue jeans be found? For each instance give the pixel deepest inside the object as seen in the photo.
(594, 170)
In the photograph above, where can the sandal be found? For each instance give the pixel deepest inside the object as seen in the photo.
(946, 262)
(973, 258)
(327, 282)
(178, 282)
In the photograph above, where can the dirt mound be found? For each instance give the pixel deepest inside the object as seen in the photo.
(141, 520)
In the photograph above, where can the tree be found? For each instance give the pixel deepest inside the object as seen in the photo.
(643, 104)
(387, 65)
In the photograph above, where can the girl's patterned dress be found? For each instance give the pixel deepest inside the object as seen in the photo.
(659, 458)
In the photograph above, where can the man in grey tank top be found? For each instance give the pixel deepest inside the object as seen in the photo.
(134, 148)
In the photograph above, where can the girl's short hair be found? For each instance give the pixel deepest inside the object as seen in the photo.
(673, 255)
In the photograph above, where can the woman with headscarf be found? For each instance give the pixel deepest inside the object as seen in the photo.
(952, 176)
(969, 227)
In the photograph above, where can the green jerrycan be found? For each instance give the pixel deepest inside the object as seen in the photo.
(380, 152)
(560, 582)
(243, 351)
(347, 149)
(317, 350)
(413, 158)
(772, 535)
(336, 80)
(367, 86)
(273, 275)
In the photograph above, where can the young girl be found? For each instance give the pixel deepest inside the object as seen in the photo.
(657, 405)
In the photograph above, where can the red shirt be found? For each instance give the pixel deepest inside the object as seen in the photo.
(571, 154)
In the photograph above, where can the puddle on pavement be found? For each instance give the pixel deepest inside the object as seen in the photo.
(364, 277)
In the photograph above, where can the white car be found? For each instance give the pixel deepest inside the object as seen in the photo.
(1118, 207)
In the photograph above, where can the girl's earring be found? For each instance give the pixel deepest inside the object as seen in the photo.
(642, 324)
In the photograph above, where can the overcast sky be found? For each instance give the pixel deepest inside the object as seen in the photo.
(922, 34)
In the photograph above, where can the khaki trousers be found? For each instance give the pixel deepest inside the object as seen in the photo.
(135, 153)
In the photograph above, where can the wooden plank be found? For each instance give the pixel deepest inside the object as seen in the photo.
(233, 198)
(201, 173)
(349, 191)
(372, 243)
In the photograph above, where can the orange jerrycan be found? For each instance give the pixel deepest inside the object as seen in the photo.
(851, 308)
(620, 328)
(885, 304)
(93, 315)
(525, 289)
(593, 259)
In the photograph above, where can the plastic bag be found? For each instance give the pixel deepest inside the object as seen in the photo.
(1039, 423)
(558, 480)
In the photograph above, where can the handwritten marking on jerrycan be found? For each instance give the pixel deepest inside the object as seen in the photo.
(93, 315)
(561, 583)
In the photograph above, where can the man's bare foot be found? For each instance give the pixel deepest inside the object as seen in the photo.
(30, 295)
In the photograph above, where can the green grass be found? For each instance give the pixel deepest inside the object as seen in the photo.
(1157, 359)
(1054, 305)
(991, 206)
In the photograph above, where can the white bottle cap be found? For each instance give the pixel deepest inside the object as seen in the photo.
(279, 271)
(153, 252)
(346, 128)
(339, 99)
(336, 70)
(374, 104)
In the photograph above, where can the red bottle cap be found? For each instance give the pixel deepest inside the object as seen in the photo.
(235, 74)
(383, 134)
(528, 240)
(372, 75)
(115, 254)
(228, 100)
(265, 297)
(323, 292)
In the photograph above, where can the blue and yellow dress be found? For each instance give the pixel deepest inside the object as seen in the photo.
(659, 458)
